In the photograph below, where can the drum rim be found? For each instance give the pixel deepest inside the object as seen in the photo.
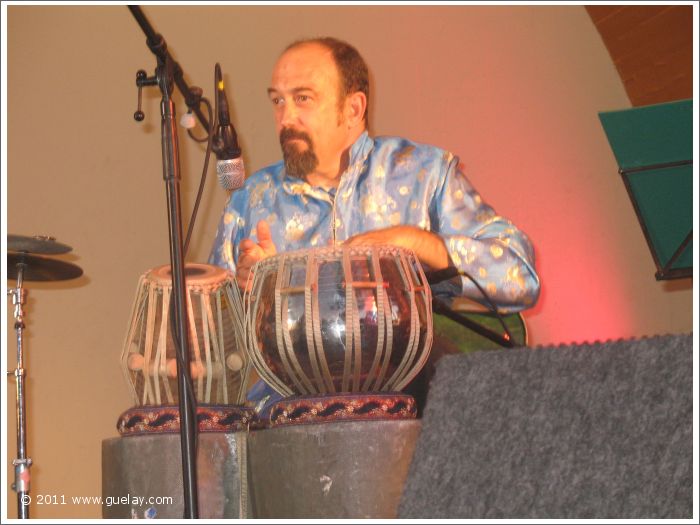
(328, 252)
(200, 274)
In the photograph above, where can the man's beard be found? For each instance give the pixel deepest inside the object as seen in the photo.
(298, 163)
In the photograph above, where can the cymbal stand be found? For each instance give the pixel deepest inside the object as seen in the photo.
(22, 463)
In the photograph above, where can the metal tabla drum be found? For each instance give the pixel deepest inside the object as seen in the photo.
(218, 362)
(340, 319)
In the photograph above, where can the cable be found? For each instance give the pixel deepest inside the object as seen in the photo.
(202, 179)
(189, 131)
(189, 387)
(443, 275)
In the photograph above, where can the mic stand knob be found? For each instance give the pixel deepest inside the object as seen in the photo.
(142, 80)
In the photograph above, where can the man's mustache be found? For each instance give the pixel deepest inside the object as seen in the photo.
(289, 134)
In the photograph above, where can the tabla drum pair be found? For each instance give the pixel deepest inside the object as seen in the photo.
(328, 321)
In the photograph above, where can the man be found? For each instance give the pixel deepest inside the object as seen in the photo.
(336, 184)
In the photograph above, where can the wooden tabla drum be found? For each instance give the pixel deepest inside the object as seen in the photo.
(219, 365)
(342, 319)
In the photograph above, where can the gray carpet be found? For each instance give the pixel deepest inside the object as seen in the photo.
(601, 430)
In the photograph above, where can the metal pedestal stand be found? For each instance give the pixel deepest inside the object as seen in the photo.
(22, 462)
(25, 266)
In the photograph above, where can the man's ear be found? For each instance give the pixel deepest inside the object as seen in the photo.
(355, 107)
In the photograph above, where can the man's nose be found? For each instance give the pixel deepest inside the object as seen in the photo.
(289, 114)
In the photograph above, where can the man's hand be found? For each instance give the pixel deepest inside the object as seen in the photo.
(251, 252)
(429, 247)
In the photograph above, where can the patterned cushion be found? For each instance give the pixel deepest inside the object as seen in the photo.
(164, 419)
(342, 407)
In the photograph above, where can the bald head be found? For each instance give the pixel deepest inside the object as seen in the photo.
(352, 68)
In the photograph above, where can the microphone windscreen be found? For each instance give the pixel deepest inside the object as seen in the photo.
(231, 173)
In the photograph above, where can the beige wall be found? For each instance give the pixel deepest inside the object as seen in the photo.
(514, 91)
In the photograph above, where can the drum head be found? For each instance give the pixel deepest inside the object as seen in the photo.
(196, 274)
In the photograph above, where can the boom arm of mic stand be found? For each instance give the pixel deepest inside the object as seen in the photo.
(157, 45)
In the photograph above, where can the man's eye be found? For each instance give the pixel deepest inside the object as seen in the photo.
(277, 101)
(302, 98)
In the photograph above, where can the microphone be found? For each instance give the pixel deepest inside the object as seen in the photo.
(229, 166)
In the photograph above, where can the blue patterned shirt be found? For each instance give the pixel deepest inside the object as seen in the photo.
(389, 181)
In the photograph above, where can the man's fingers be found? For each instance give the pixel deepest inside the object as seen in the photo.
(263, 229)
(265, 238)
(247, 245)
(250, 252)
(366, 238)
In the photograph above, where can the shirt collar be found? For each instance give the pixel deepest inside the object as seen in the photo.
(359, 150)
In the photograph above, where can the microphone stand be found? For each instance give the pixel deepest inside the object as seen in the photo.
(167, 72)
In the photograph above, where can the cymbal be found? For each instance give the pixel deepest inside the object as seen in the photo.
(36, 244)
(38, 268)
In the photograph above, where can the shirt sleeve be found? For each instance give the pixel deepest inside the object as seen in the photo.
(228, 234)
(483, 246)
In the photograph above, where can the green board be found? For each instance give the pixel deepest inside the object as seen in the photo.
(653, 146)
(453, 337)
